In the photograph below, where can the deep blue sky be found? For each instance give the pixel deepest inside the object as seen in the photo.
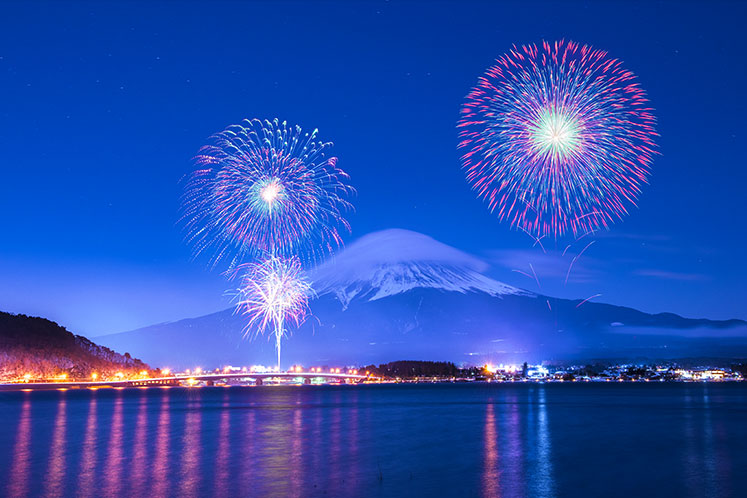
(104, 104)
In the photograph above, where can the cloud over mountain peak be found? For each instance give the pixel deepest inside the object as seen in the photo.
(395, 261)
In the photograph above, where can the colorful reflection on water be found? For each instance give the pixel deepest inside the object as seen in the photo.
(403, 440)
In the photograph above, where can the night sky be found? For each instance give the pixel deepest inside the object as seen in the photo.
(105, 104)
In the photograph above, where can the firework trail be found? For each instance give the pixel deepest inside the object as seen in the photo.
(557, 138)
(265, 187)
(271, 294)
(570, 267)
(587, 299)
(523, 273)
(537, 240)
(533, 276)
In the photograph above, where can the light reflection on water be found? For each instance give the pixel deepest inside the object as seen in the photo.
(140, 447)
(20, 469)
(55, 474)
(223, 452)
(89, 452)
(491, 473)
(414, 440)
(115, 453)
(190, 474)
(543, 476)
(161, 468)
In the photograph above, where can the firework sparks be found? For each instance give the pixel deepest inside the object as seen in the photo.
(265, 187)
(557, 139)
(272, 293)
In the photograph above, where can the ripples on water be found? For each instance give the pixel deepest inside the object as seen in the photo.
(390, 440)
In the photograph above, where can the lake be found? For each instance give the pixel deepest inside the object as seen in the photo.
(478, 439)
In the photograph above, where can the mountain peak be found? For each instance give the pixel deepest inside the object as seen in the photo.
(394, 261)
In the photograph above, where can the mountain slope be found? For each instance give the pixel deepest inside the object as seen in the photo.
(397, 294)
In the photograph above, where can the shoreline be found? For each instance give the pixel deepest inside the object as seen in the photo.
(66, 386)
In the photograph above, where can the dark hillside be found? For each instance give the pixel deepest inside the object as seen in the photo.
(44, 349)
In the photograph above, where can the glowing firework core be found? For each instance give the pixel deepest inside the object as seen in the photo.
(270, 192)
(555, 135)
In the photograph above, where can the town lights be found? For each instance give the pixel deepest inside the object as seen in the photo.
(119, 375)
(94, 376)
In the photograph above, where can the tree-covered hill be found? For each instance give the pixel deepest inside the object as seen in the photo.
(44, 350)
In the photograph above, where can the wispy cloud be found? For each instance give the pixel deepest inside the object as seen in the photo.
(671, 275)
(549, 265)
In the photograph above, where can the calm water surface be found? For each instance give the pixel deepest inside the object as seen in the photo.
(388, 440)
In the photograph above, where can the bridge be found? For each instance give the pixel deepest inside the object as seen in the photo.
(210, 378)
(259, 377)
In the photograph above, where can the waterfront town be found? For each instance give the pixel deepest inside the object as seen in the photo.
(418, 371)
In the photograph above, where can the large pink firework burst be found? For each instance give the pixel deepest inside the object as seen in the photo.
(557, 139)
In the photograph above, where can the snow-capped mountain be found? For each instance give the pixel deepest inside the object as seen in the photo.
(396, 261)
(398, 294)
